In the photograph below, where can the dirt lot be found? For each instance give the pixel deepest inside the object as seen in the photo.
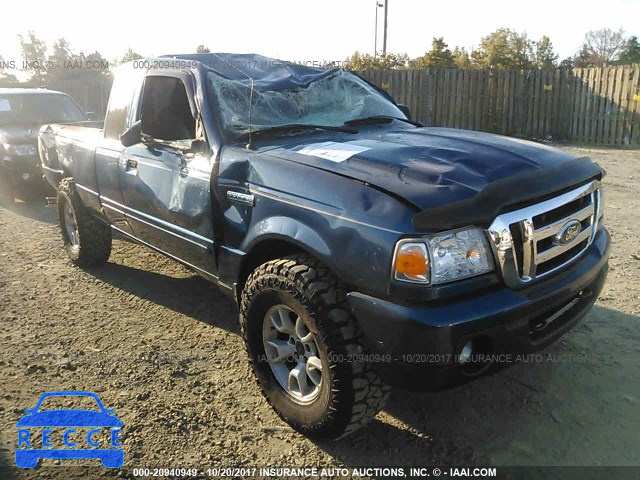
(162, 347)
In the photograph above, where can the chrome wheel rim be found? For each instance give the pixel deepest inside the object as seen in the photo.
(71, 226)
(293, 354)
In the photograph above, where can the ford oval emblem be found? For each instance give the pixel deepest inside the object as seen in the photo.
(568, 233)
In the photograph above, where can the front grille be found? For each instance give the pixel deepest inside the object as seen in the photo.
(537, 240)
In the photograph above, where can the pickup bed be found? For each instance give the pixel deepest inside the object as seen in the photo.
(363, 250)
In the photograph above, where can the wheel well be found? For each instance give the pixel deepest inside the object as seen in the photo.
(263, 252)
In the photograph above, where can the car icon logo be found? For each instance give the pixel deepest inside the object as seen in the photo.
(28, 455)
(568, 233)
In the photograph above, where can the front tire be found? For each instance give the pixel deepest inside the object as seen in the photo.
(86, 239)
(307, 350)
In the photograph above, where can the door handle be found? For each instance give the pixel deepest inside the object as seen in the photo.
(131, 164)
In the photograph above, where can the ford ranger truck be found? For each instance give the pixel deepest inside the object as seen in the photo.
(363, 250)
(22, 112)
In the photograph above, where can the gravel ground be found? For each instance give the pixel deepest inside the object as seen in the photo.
(162, 347)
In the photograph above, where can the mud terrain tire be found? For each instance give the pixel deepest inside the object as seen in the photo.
(86, 239)
(350, 391)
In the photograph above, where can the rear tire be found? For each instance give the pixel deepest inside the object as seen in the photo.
(86, 239)
(307, 350)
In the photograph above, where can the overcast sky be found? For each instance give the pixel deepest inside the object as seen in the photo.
(301, 30)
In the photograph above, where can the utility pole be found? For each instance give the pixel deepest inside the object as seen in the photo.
(384, 39)
(375, 41)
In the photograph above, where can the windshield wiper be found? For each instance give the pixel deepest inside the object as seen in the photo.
(296, 127)
(378, 119)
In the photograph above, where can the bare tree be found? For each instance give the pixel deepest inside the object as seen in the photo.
(601, 47)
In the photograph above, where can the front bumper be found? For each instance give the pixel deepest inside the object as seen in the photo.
(417, 346)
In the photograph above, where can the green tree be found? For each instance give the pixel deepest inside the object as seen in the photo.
(567, 63)
(545, 56)
(94, 64)
(601, 48)
(631, 52)
(504, 49)
(59, 60)
(438, 57)
(130, 56)
(461, 58)
(202, 49)
(65, 64)
(33, 53)
(359, 61)
(61, 52)
(390, 61)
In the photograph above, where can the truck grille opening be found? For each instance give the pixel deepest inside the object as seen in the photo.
(563, 211)
(562, 258)
(546, 236)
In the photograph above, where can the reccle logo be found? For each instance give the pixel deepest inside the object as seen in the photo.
(78, 445)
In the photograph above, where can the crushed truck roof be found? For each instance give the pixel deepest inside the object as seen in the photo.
(265, 73)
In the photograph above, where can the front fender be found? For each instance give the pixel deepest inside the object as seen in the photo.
(286, 229)
(358, 253)
(349, 226)
(268, 232)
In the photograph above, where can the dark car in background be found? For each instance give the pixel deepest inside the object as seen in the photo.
(22, 112)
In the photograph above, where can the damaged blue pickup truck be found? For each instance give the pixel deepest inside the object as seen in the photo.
(363, 250)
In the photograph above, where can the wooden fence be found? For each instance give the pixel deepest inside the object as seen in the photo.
(587, 105)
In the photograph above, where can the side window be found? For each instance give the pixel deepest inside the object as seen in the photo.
(119, 101)
(165, 113)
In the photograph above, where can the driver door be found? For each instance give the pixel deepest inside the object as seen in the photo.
(165, 184)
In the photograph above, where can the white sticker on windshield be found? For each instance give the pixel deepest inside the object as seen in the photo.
(5, 106)
(336, 152)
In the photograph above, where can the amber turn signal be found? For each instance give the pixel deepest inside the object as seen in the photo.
(412, 263)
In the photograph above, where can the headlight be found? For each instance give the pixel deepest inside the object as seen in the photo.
(443, 258)
(19, 150)
(460, 254)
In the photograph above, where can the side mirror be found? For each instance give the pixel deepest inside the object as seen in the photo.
(133, 135)
(92, 116)
(404, 109)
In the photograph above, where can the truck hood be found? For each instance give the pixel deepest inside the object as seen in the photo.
(428, 167)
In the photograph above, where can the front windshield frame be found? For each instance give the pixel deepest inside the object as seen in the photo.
(358, 99)
(44, 108)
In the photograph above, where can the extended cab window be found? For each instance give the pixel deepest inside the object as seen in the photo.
(165, 113)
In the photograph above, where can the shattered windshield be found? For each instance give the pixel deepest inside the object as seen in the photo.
(330, 101)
